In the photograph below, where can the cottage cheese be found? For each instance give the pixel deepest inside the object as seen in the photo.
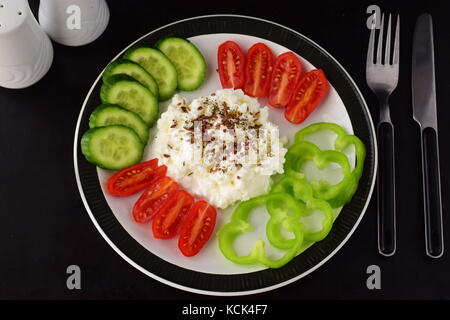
(220, 147)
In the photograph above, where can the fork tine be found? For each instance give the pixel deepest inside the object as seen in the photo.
(397, 42)
(371, 49)
(387, 52)
(380, 41)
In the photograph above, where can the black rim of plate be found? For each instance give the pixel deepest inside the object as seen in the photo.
(259, 281)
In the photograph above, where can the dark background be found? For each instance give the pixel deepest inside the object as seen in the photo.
(44, 227)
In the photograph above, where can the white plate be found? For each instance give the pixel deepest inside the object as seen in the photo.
(209, 272)
(210, 259)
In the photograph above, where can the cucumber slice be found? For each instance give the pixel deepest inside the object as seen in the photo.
(110, 114)
(132, 95)
(159, 66)
(122, 66)
(113, 147)
(187, 59)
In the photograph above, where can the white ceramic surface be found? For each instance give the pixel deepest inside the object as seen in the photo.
(26, 52)
(210, 259)
(57, 19)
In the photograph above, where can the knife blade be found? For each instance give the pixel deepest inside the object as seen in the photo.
(423, 80)
(425, 114)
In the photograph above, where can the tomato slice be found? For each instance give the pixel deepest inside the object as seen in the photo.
(153, 198)
(286, 72)
(167, 220)
(308, 93)
(258, 70)
(197, 228)
(135, 178)
(231, 63)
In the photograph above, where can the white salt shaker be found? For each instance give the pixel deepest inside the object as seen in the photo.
(26, 53)
(73, 22)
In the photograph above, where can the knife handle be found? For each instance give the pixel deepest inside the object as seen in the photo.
(434, 239)
(386, 190)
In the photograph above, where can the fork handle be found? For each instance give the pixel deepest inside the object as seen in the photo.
(432, 194)
(386, 189)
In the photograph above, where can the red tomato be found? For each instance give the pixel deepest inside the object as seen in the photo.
(286, 73)
(197, 228)
(258, 70)
(167, 220)
(231, 63)
(153, 199)
(308, 93)
(135, 178)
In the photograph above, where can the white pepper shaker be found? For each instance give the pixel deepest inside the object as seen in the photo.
(74, 22)
(26, 53)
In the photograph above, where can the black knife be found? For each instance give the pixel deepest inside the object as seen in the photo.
(424, 112)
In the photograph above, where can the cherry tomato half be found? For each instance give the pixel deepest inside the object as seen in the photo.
(135, 178)
(258, 70)
(167, 220)
(231, 63)
(308, 93)
(153, 198)
(286, 72)
(197, 228)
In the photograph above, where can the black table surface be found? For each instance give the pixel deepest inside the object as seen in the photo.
(44, 226)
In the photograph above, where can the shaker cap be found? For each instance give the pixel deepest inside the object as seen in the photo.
(12, 14)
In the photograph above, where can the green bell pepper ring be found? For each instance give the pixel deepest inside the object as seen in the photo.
(283, 209)
(343, 140)
(303, 151)
(239, 225)
(302, 190)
